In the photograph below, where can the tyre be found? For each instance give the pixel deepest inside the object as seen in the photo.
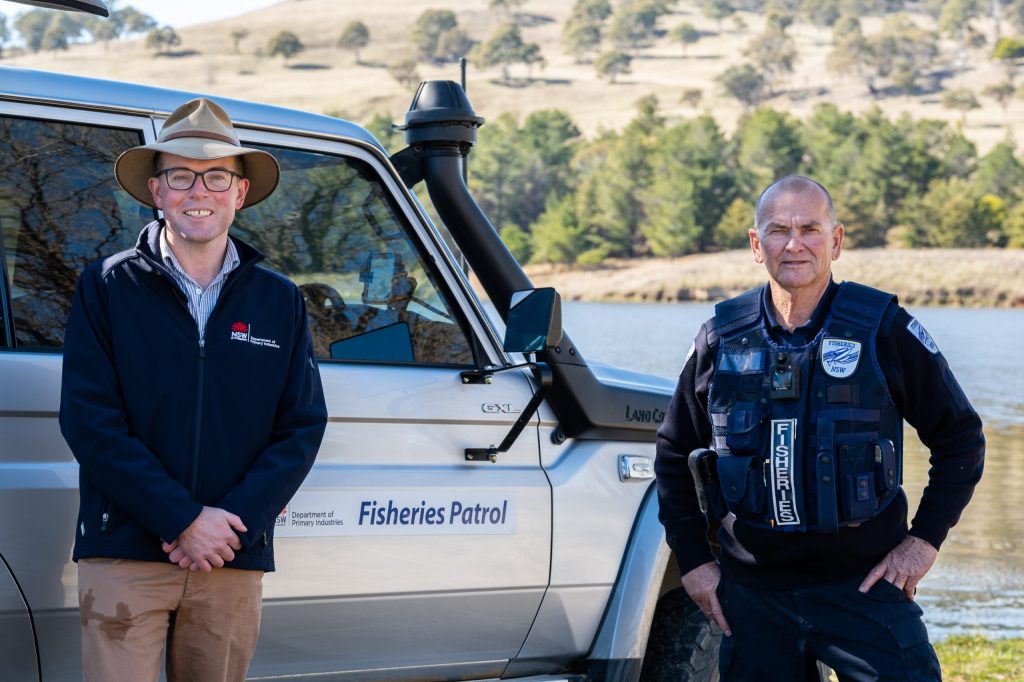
(682, 646)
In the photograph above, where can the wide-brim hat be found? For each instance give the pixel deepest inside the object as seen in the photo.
(199, 129)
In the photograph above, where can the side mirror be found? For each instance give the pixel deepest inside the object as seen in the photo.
(534, 321)
(534, 324)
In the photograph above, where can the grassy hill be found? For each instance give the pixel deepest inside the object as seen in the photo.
(325, 78)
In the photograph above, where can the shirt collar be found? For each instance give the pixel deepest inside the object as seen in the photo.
(812, 325)
(231, 259)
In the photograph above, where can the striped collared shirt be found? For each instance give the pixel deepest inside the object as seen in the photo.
(200, 302)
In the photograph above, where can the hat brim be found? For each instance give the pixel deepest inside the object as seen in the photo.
(135, 167)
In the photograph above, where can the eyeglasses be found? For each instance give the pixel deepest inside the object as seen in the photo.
(215, 180)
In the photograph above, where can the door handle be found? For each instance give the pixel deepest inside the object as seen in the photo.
(635, 467)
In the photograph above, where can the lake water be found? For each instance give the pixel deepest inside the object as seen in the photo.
(977, 584)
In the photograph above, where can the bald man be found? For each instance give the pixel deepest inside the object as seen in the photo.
(789, 412)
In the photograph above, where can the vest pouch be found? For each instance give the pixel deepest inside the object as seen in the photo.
(858, 478)
(887, 474)
(859, 498)
(746, 432)
(742, 483)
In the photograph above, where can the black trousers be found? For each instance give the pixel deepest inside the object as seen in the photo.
(777, 635)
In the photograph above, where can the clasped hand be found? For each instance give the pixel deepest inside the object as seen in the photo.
(210, 541)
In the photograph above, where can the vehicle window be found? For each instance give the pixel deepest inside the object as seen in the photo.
(333, 227)
(60, 209)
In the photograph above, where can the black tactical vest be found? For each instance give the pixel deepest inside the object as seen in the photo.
(808, 437)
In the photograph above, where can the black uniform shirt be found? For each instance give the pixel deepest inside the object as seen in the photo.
(926, 395)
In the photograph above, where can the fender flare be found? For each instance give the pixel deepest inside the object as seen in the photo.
(621, 641)
(18, 652)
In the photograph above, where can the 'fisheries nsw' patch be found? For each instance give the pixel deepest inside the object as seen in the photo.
(839, 357)
(918, 330)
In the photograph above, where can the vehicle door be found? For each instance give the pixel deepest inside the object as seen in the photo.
(60, 208)
(398, 558)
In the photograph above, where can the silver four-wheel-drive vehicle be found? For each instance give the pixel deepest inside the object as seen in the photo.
(425, 544)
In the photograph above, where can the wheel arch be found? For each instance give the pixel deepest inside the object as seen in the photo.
(18, 652)
(621, 640)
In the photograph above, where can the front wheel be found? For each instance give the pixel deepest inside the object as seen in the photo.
(683, 646)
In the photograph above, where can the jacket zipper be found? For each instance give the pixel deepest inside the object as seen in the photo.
(201, 385)
(182, 299)
(194, 483)
(104, 516)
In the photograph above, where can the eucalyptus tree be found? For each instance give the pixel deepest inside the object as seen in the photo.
(354, 37)
(744, 83)
(427, 31)
(286, 44)
(1001, 93)
(1009, 52)
(164, 38)
(685, 34)
(506, 48)
(775, 53)
(902, 52)
(962, 100)
(31, 26)
(613, 64)
(583, 30)
(238, 34)
(717, 10)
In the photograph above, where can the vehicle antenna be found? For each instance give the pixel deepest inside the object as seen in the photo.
(465, 161)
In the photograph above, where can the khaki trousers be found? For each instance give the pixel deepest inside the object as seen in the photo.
(130, 609)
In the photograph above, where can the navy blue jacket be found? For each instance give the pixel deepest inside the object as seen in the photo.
(162, 425)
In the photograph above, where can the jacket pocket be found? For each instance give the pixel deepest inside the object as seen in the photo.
(310, 375)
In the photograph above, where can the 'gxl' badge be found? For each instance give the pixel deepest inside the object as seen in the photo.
(498, 408)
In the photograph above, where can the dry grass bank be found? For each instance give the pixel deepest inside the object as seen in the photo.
(325, 78)
(948, 277)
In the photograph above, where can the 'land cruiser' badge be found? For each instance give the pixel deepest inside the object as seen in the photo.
(919, 332)
(839, 357)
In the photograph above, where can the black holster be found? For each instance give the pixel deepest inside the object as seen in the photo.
(703, 468)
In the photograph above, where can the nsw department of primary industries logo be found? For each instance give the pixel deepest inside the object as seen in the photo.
(242, 331)
(839, 357)
(239, 331)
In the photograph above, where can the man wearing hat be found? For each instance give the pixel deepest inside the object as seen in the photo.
(191, 399)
